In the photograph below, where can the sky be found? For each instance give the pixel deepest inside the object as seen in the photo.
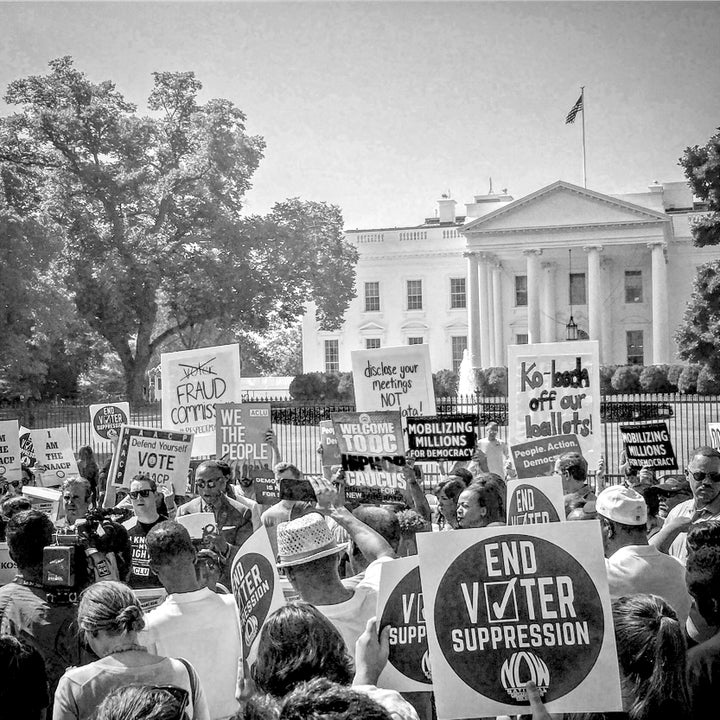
(381, 107)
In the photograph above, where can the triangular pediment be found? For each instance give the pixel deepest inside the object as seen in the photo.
(563, 205)
(371, 327)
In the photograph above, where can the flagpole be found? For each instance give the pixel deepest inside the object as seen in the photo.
(582, 96)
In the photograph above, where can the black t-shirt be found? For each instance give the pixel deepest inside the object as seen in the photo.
(140, 574)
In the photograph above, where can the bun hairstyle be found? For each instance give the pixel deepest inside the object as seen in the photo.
(110, 606)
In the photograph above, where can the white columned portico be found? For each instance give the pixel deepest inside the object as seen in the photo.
(548, 304)
(594, 291)
(659, 303)
(532, 263)
(484, 273)
(473, 309)
(606, 320)
(499, 346)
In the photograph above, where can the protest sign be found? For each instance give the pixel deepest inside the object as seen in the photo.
(329, 444)
(648, 445)
(240, 436)
(106, 419)
(47, 500)
(441, 437)
(8, 569)
(535, 500)
(372, 454)
(256, 587)
(10, 464)
(27, 451)
(400, 605)
(394, 378)
(198, 524)
(163, 455)
(537, 457)
(554, 389)
(268, 490)
(193, 381)
(714, 432)
(507, 605)
(150, 598)
(53, 450)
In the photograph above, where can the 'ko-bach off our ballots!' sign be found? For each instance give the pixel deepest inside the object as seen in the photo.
(193, 381)
(554, 389)
(372, 454)
(507, 605)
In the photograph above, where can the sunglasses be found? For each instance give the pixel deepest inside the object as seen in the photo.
(700, 475)
(176, 694)
(135, 494)
(210, 484)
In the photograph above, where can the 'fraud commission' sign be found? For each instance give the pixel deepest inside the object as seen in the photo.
(256, 587)
(443, 437)
(193, 381)
(649, 445)
(554, 389)
(394, 378)
(400, 605)
(535, 500)
(508, 605)
(372, 454)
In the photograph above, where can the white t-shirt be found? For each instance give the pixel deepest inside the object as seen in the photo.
(496, 454)
(202, 627)
(678, 548)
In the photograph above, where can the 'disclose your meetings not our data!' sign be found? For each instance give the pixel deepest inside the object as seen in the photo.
(505, 605)
(554, 389)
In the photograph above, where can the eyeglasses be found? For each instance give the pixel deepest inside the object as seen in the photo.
(700, 475)
(176, 694)
(135, 494)
(210, 484)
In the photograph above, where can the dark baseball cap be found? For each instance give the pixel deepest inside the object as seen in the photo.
(675, 485)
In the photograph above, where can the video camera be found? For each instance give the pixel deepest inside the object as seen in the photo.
(80, 556)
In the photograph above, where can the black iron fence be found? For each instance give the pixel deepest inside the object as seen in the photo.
(297, 431)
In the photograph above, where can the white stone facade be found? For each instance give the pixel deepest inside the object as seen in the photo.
(500, 275)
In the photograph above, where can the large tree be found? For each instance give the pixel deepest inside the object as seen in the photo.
(148, 213)
(698, 336)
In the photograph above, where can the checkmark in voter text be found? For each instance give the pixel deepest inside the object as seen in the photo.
(499, 608)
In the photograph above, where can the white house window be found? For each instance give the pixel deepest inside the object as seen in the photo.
(458, 346)
(521, 290)
(332, 355)
(521, 339)
(457, 293)
(578, 289)
(372, 296)
(372, 343)
(414, 295)
(635, 347)
(416, 340)
(633, 286)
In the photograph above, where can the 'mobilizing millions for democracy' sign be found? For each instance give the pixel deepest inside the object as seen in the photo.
(507, 605)
(535, 500)
(554, 389)
(648, 445)
(444, 437)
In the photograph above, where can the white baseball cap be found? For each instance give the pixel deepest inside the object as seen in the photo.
(622, 504)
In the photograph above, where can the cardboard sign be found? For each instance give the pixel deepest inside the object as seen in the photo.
(267, 490)
(535, 500)
(554, 389)
(507, 605)
(53, 450)
(372, 452)
(164, 455)
(193, 381)
(47, 500)
(10, 463)
(714, 432)
(106, 419)
(394, 378)
(150, 598)
(537, 457)
(256, 587)
(649, 445)
(400, 605)
(328, 441)
(240, 437)
(8, 569)
(27, 450)
(198, 524)
(441, 437)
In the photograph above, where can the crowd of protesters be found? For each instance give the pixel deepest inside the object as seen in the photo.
(321, 655)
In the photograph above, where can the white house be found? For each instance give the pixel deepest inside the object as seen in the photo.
(515, 271)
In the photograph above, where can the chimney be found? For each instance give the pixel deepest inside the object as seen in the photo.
(446, 209)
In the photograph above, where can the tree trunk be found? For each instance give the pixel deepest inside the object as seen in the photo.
(136, 381)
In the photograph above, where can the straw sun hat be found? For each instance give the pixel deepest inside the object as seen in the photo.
(305, 539)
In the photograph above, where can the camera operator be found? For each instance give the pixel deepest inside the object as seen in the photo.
(94, 530)
(24, 608)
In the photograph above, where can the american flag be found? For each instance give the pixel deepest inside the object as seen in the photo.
(576, 108)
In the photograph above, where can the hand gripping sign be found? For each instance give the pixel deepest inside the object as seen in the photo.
(535, 500)
(400, 605)
(507, 605)
(256, 587)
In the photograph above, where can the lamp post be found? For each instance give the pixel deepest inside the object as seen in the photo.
(571, 329)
